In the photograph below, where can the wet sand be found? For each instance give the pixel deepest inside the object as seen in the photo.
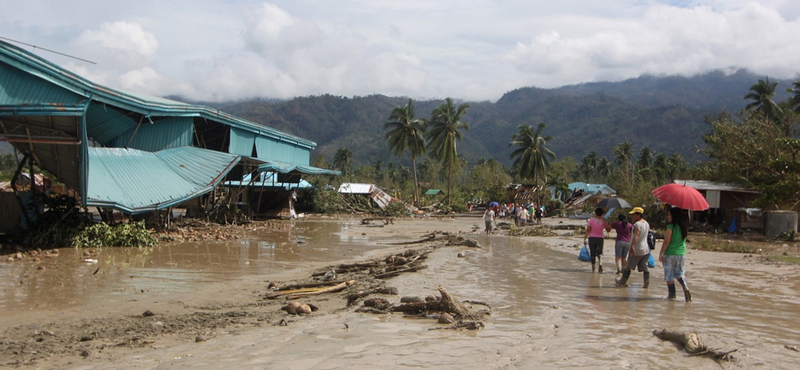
(548, 309)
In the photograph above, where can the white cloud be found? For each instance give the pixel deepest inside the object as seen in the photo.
(119, 43)
(472, 49)
(665, 40)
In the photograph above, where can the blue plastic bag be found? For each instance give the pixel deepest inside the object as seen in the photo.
(651, 262)
(584, 254)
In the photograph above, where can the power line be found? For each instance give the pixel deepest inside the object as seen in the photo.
(52, 51)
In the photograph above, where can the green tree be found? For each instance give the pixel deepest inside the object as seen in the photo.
(406, 133)
(588, 167)
(531, 157)
(488, 180)
(605, 168)
(757, 154)
(761, 93)
(343, 160)
(623, 154)
(661, 167)
(560, 187)
(794, 101)
(445, 132)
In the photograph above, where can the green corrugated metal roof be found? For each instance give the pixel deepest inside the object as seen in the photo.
(136, 181)
(288, 167)
(81, 88)
(55, 114)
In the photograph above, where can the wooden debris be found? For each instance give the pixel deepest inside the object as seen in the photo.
(302, 292)
(693, 345)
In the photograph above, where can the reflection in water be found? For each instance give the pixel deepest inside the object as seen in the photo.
(173, 267)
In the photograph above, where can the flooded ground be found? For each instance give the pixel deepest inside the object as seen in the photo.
(549, 311)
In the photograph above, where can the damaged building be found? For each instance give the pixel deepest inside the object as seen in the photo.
(135, 153)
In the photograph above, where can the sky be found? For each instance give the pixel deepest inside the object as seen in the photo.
(474, 50)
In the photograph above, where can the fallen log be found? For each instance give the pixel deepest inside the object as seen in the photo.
(692, 344)
(294, 293)
(335, 288)
(310, 285)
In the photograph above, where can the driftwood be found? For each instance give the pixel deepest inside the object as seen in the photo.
(310, 285)
(693, 345)
(446, 304)
(296, 293)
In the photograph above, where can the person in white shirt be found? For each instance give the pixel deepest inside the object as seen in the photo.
(488, 219)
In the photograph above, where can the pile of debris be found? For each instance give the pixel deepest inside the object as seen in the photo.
(361, 280)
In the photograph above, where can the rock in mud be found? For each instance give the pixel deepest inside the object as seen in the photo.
(291, 307)
(304, 309)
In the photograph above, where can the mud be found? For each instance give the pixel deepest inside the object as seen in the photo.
(201, 305)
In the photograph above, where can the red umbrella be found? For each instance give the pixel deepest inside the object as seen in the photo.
(681, 196)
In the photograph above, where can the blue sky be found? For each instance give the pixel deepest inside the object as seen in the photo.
(473, 50)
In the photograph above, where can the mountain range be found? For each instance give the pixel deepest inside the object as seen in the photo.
(665, 113)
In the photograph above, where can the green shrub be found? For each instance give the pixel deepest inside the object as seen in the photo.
(132, 234)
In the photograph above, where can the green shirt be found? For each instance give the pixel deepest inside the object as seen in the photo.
(677, 244)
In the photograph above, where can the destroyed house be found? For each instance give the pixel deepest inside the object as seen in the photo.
(128, 151)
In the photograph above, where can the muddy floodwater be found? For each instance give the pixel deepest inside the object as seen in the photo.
(549, 310)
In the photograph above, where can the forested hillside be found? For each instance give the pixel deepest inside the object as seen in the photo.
(665, 114)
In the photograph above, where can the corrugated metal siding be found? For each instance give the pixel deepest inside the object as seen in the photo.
(241, 142)
(18, 87)
(136, 181)
(272, 150)
(104, 123)
(166, 133)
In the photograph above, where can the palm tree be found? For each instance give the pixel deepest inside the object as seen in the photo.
(623, 154)
(444, 134)
(342, 160)
(605, 168)
(406, 133)
(661, 165)
(588, 166)
(676, 165)
(645, 158)
(762, 93)
(532, 157)
(560, 187)
(794, 101)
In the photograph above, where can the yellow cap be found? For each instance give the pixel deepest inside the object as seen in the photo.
(636, 210)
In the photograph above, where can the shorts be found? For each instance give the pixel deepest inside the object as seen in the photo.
(638, 262)
(595, 246)
(674, 267)
(489, 225)
(621, 248)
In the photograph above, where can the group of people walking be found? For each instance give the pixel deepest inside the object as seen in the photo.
(632, 249)
(521, 213)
